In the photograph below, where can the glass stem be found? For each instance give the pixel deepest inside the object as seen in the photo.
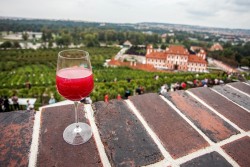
(76, 113)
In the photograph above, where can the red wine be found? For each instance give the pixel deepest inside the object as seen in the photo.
(74, 83)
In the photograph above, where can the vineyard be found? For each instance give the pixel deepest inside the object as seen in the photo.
(38, 67)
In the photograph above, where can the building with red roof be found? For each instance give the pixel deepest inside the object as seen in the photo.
(216, 47)
(176, 57)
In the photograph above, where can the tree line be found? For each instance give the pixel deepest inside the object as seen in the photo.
(64, 33)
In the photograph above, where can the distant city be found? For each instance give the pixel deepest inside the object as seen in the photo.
(159, 26)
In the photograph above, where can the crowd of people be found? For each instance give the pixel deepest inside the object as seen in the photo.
(200, 83)
(5, 103)
(12, 104)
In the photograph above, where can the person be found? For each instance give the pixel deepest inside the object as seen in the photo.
(127, 94)
(172, 87)
(138, 90)
(176, 86)
(142, 89)
(6, 104)
(163, 90)
(119, 97)
(15, 102)
(52, 100)
(106, 98)
(156, 77)
(86, 100)
(1, 104)
(216, 81)
(183, 85)
(166, 87)
(28, 105)
(195, 82)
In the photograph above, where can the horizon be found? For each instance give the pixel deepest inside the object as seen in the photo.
(141, 22)
(233, 14)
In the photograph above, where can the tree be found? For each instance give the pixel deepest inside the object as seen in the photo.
(163, 46)
(75, 34)
(91, 40)
(59, 42)
(25, 37)
(34, 38)
(245, 62)
(50, 44)
(64, 40)
(6, 44)
(16, 44)
(155, 46)
(46, 35)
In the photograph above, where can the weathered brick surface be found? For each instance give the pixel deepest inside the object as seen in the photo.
(239, 150)
(234, 95)
(53, 150)
(177, 136)
(125, 140)
(211, 124)
(241, 86)
(15, 136)
(212, 159)
(228, 109)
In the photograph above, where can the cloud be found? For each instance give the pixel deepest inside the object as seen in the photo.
(222, 13)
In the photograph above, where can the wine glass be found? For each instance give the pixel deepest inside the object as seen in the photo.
(74, 81)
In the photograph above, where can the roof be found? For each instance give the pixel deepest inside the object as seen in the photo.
(172, 49)
(196, 127)
(196, 59)
(127, 43)
(216, 46)
(202, 51)
(157, 55)
(177, 49)
(164, 35)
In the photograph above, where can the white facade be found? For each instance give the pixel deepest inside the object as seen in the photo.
(197, 67)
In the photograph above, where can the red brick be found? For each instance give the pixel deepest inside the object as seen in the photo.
(53, 150)
(126, 141)
(241, 86)
(239, 150)
(234, 95)
(15, 136)
(228, 109)
(211, 124)
(212, 159)
(177, 136)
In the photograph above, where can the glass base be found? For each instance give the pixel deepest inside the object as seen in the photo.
(77, 133)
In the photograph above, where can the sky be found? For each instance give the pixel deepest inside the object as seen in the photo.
(212, 13)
